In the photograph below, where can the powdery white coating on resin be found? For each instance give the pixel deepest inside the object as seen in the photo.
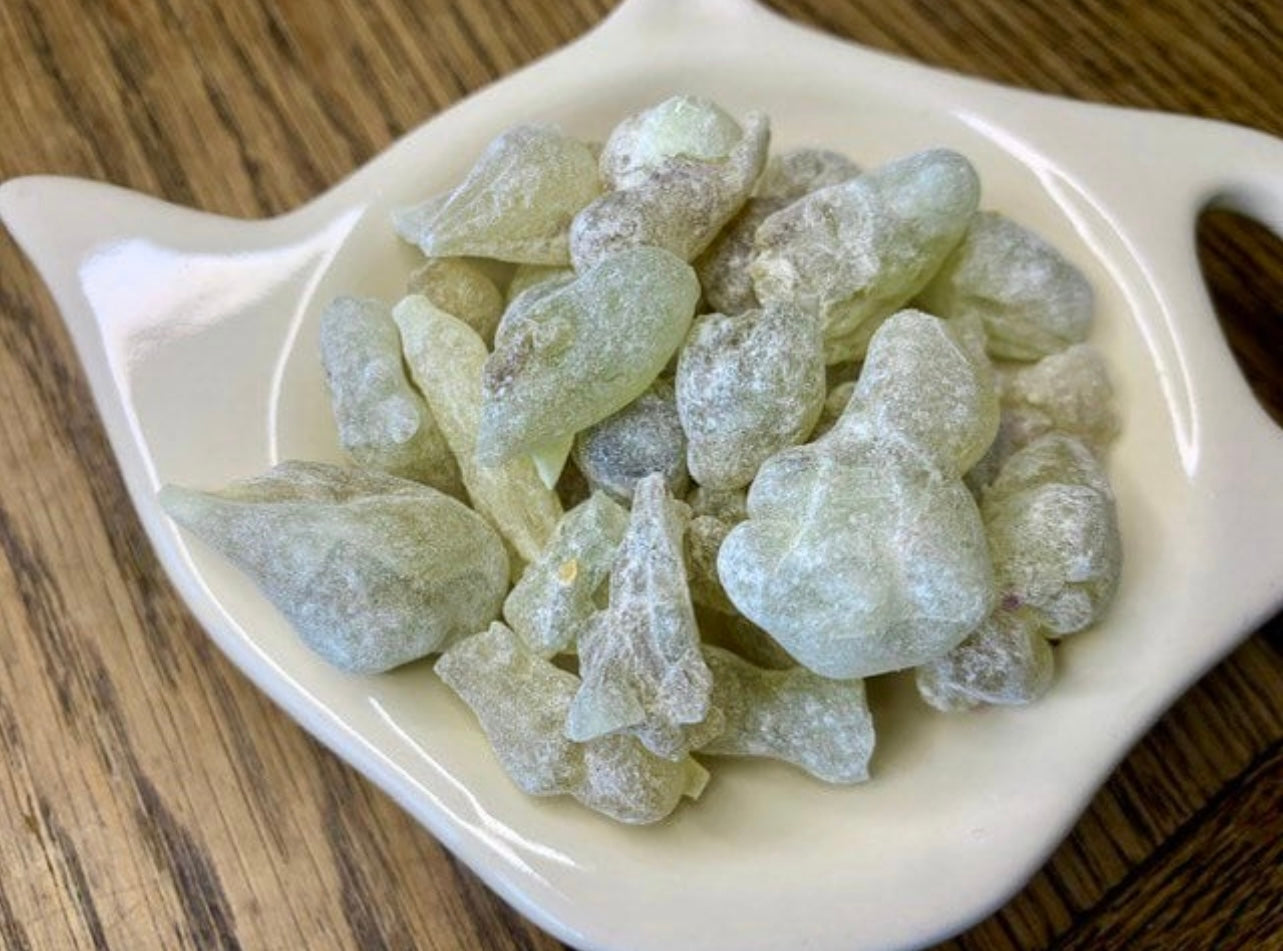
(372, 571)
(747, 387)
(1030, 298)
(681, 127)
(446, 358)
(383, 421)
(462, 290)
(679, 205)
(560, 589)
(521, 700)
(863, 551)
(645, 436)
(790, 175)
(516, 203)
(856, 252)
(580, 352)
(819, 725)
(1005, 661)
(1053, 530)
(639, 658)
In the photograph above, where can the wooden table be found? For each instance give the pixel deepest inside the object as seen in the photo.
(154, 799)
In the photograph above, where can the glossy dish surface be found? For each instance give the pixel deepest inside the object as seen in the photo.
(198, 334)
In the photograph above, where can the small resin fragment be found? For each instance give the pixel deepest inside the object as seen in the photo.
(1005, 661)
(729, 505)
(559, 591)
(1030, 298)
(516, 204)
(462, 290)
(639, 658)
(864, 552)
(521, 700)
(723, 267)
(835, 404)
(581, 352)
(527, 276)
(747, 387)
(446, 357)
(1053, 531)
(372, 571)
(679, 205)
(383, 422)
(681, 127)
(857, 251)
(790, 175)
(645, 436)
(819, 725)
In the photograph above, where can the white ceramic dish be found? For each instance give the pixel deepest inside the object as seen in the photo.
(198, 336)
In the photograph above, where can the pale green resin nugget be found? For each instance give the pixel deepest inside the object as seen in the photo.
(516, 204)
(560, 589)
(1030, 299)
(373, 571)
(645, 436)
(1005, 661)
(383, 421)
(819, 725)
(446, 357)
(462, 290)
(639, 658)
(573, 355)
(855, 252)
(864, 552)
(521, 700)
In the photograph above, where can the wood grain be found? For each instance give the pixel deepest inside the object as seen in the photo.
(154, 799)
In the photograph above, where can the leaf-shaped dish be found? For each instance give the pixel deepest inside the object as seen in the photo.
(198, 334)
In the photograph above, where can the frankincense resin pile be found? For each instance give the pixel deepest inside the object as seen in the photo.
(734, 433)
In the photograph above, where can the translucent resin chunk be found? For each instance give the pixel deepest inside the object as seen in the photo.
(1030, 298)
(516, 204)
(561, 589)
(747, 387)
(639, 658)
(790, 175)
(1005, 661)
(678, 205)
(446, 357)
(1053, 530)
(584, 350)
(855, 252)
(863, 551)
(645, 436)
(819, 725)
(382, 420)
(684, 127)
(371, 570)
(521, 700)
(1068, 392)
(462, 290)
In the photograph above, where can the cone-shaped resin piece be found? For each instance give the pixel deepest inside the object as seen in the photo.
(1029, 298)
(863, 551)
(747, 387)
(521, 700)
(1053, 530)
(573, 355)
(446, 358)
(678, 204)
(822, 726)
(383, 421)
(1005, 661)
(516, 204)
(559, 591)
(462, 290)
(639, 658)
(373, 571)
(857, 251)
